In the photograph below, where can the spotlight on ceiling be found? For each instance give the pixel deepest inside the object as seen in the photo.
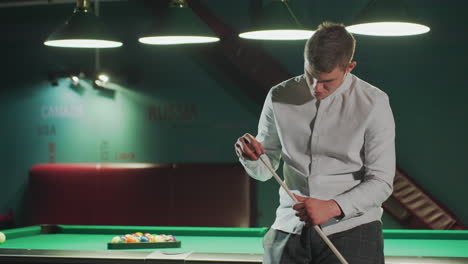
(82, 30)
(277, 21)
(179, 26)
(387, 18)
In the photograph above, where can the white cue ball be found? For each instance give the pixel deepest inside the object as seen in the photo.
(2, 238)
(115, 239)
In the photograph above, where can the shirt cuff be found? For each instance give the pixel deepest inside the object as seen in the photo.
(341, 216)
(249, 164)
(256, 169)
(346, 208)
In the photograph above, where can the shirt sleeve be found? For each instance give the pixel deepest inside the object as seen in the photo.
(268, 137)
(379, 163)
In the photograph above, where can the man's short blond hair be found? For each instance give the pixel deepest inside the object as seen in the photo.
(330, 46)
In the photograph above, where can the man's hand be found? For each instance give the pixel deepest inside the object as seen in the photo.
(247, 147)
(314, 211)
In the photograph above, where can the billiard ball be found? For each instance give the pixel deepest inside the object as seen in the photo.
(131, 239)
(2, 238)
(116, 239)
(159, 238)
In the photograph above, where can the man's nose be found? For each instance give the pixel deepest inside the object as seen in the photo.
(319, 87)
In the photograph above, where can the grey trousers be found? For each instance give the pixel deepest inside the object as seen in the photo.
(359, 245)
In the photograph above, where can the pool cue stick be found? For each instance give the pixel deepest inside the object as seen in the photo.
(319, 231)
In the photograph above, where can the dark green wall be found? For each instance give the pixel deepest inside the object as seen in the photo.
(206, 110)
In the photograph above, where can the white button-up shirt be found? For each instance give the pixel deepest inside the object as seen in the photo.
(340, 148)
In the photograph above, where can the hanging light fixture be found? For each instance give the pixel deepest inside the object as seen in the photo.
(179, 25)
(386, 18)
(82, 30)
(277, 21)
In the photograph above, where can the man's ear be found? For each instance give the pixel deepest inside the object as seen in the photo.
(351, 66)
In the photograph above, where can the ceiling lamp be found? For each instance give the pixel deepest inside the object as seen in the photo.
(277, 22)
(179, 25)
(386, 18)
(82, 30)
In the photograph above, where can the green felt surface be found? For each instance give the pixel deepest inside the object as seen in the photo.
(426, 248)
(427, 243)
(208, 244)
(199, 239)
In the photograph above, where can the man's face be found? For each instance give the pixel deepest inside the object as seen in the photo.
(325, 83)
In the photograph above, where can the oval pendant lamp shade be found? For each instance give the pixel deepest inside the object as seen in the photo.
(386, 18)
(276, 21)
(82, 30)
(179, 25)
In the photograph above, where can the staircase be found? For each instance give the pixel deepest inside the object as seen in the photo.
(414, 208)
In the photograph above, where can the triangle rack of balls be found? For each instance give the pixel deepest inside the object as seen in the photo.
(140, 240)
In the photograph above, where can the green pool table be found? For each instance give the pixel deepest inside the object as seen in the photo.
(88, 244)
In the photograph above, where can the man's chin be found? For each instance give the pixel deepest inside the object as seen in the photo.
(320, 96)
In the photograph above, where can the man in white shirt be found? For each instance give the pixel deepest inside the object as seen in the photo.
(335, 134)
